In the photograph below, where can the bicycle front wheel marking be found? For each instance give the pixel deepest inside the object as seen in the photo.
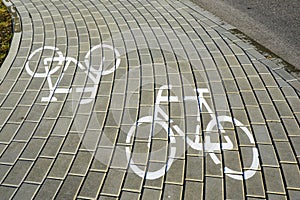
(100, 63)
(255, 162)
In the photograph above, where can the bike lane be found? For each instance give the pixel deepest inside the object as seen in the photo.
(143, 99)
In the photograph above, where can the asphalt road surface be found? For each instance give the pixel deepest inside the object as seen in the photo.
(275, 24)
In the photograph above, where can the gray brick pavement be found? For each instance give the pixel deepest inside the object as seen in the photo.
(91, 140)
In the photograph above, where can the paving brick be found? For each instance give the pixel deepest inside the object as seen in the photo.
(283, 109)
(133, 182)
(21, 85)
(213, 188)
(68, 109)
(70, 187)
(25, 132)
(268, 155)
(273, 180)
(255, 186)
(285, 152)
(175, 174)
(2, 98)
(125, 195)
(291, 175)
(250, 70)
(295, 84)
(52, 147)
(270, 113)
(29, 98)
(172, 191)
(79, 124)
(297, 115)
(149, 194)
(7, 192)
(217, 88)
(44, 128)
(225, 72)
(92, 185)
(6, 87)
(249, 98)
(113, 181)
(84, 109)
(294, 144)
(49, 189)
(2, 148)
(221, 103)
(230, 85)
(12, 100)
(32, 149)
(284, 74)
(4, 169)
(102, 159)
(194, 172)
(109, 136)
(232, 161)
(243, 84)
(263, 97)
(19, 114)
(39, 170)
(81, 163)
(276, 94)
(241, 115)
(103, 197)
(280, 81)
(12, 153)
(18, 173)
(4, 115)
(276, 196)
(119, 160)
(235, 101)
(26, 191)
(193, 190)
(90, 140)
(255, 114)
(292, 127)
(113, 118)
(268, 80)
(256, 82)
(289, 92)
(155, 183)
(61, 166)
(294, 102)
(247, 157)
(72, 143)
(61, 127)
(261, 134)
(8, 132)
(293, 194)
(53, 110)
(234, 190)
(277, 131)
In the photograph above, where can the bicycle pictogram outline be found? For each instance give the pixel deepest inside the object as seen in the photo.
(93, 74)
(161, 118)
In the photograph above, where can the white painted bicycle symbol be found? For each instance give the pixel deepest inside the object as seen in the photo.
(208, 146)
(61, 61)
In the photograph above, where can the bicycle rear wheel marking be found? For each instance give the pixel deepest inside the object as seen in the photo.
(142, 173)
